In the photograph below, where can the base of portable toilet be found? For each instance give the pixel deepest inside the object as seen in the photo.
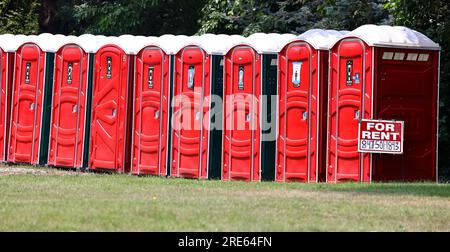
(394, 76)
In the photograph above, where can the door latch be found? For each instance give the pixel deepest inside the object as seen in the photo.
(357, 115)
(197, 115)
(304, 115)
(248, 118)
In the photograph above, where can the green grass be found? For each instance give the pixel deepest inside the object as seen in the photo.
(100, 202)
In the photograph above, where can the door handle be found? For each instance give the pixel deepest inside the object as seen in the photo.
(197, 116)
(304, 116)
(74, 109)
(113, 112)
(357, 115)
(247, 118)
(32, 106)
(156, 114)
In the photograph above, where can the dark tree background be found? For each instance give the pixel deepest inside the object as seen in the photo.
(156, 17)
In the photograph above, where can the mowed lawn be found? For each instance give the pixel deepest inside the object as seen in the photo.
(59, 201)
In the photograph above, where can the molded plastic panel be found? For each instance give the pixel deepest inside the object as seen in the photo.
(68, 113)
(190, 132)
(350, 100)
(150, 112)
(241, 141)
(298, 108)
(109, 110)
(27, 104)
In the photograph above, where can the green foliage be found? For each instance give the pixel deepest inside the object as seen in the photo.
(435, 23)
(116, 17)
(246, 17)
(19, 17)
(350, 14)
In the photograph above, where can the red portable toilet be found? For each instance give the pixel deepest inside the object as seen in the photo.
(302, 92)
(69, 105)
(242, 91)
(111, 108)
(7, 49)
(151, 108)
(190, 135)
(389, 73)
(33, 74)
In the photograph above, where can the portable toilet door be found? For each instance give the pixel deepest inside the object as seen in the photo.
(242, 91)
(28, 103)
(350, 100)
(109, 141)
(69, 107)
(150, 114)
(7, 49)
(383, 73)
(302, 91)
(189, 153)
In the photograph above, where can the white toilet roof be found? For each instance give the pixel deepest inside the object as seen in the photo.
(393, 36)
(320, 39)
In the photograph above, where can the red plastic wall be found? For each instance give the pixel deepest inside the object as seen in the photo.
(344, 162)
(4, 88)
(26, 104)
(150, 112)
(241, 138)
(323, 112)
(407, 91)
(110, 106)
(68, 107)
(190, 137)
(298, 130)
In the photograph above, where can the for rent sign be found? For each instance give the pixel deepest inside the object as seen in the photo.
(377, 136)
